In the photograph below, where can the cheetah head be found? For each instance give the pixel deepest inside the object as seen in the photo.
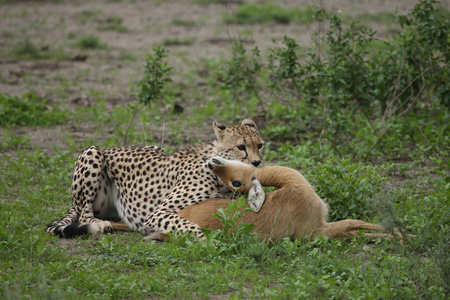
(240, 142)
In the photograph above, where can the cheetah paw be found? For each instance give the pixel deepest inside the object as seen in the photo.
(101, 227)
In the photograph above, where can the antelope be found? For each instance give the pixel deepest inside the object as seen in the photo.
(292, 211)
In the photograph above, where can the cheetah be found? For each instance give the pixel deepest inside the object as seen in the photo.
(145, 187)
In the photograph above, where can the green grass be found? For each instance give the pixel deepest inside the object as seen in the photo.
(26, 49)
(11, 142)
(112, 23)
(125, 56)
(90, 42)
(183, 22)
(269, 13)
(178, 42)
(35, 191)
(35, 264)
(30, 111)
(86, 16)
(383, 17)
(105, 23)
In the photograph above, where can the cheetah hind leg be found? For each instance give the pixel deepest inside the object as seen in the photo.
(89, 177)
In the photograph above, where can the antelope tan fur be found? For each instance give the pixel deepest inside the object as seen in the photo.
(293, 211)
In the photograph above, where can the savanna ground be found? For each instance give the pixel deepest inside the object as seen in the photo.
(363, 115)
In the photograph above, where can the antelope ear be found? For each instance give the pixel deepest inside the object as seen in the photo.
(249, 122)
(218, 129)
(256, 196)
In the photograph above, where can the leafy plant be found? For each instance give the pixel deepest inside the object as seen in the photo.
(427, 49)
(284, 65)
(231, 216)
(235, 235)
(239, 75)
(152, 84)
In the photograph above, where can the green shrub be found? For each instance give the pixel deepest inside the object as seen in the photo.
(235, 236)
(152, 85)
(29, 111)
(238, 75)
(347, 188)
(346, 84)
(156, 75)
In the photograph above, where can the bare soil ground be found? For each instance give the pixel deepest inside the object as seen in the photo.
(72, 79)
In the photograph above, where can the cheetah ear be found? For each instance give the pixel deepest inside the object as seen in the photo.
(249, 122)
(218, 129)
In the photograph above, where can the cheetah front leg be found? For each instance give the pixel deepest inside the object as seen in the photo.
(164, 221)
(165, 218)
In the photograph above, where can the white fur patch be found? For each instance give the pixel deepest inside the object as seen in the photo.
(94, 229)
(256, 196)
(236, 163)
(230, 162)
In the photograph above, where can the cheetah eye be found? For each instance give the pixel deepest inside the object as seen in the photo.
(241, 147)
(236, 184)
(260, 146)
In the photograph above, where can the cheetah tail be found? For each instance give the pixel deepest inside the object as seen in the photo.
(69, 227)
(72, 230)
